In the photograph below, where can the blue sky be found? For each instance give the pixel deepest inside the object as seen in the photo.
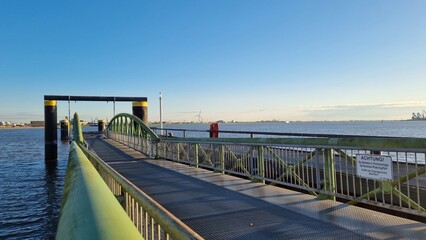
(232, 59)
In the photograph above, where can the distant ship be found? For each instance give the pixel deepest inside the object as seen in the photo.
(92, 124)
(419, 116)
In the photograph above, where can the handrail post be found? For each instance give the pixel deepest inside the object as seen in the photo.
(178, 151)
(261, 164)
(157, 151)
(329, 175)
(196, 155)
(214, 156)
(222, 158)
(251, 162)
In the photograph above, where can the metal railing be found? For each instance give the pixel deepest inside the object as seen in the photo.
(325, 166)
(149, 217)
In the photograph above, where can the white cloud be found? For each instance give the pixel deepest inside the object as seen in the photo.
(371, 105)
(372, 111)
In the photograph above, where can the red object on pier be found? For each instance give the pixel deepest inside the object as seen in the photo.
(214, 130)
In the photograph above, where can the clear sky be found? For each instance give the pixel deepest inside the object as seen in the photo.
(230, 59)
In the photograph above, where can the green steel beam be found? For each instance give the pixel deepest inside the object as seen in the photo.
(239, 161)
(124, 128)
(178, 152)
(419, 171)
(222, 158)
(290, 169)
(345, 156)
(390, 188)
(411, 204)
(208, 157)
(196, 155)
(261, 164)
(329, 175)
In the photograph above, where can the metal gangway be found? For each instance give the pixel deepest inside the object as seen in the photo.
(292, 187)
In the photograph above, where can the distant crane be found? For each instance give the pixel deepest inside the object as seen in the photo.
(419, 116)
(200, 119)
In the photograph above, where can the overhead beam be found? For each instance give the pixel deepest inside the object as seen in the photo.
(95, 98)
(140, 109)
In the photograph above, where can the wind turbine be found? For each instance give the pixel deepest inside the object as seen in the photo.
(200, 119)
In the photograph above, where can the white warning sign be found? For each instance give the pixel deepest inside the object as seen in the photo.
(374, 166)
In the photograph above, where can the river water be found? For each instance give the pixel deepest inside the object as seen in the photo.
(365, 128)
(31, 190)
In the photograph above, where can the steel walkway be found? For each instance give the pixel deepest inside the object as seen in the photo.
(219, 206)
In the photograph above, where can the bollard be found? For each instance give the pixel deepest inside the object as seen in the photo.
(140, 110)
(214, 128)
(50, 131)
(65, 129)
(101, 125)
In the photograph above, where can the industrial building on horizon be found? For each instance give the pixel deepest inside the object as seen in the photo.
(419, 116)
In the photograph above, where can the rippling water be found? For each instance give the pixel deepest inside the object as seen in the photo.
(31, 191)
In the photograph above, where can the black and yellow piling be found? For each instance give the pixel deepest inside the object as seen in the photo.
(101, 125)
(50, 130)
(140, 110)
(65, 129)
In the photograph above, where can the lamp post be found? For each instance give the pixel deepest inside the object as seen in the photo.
(161, 114)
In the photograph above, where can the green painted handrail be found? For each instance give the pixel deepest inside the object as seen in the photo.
(173, 226)
(89, 209)
(381, 143)
(77, 132)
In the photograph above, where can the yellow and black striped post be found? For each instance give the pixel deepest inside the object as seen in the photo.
(50, 130)
(65, 130)
(101, 125)
(140, 110)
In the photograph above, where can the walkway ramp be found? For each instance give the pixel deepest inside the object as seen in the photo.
(220, 206)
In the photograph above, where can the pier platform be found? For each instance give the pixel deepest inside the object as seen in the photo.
(219, 206)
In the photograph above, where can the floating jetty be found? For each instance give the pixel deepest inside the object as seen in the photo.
(286, 187)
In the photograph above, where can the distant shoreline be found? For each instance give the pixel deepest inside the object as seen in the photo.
(26, 127)
(242, 122)
(286, 122)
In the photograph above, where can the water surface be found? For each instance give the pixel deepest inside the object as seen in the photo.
(30, 189)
